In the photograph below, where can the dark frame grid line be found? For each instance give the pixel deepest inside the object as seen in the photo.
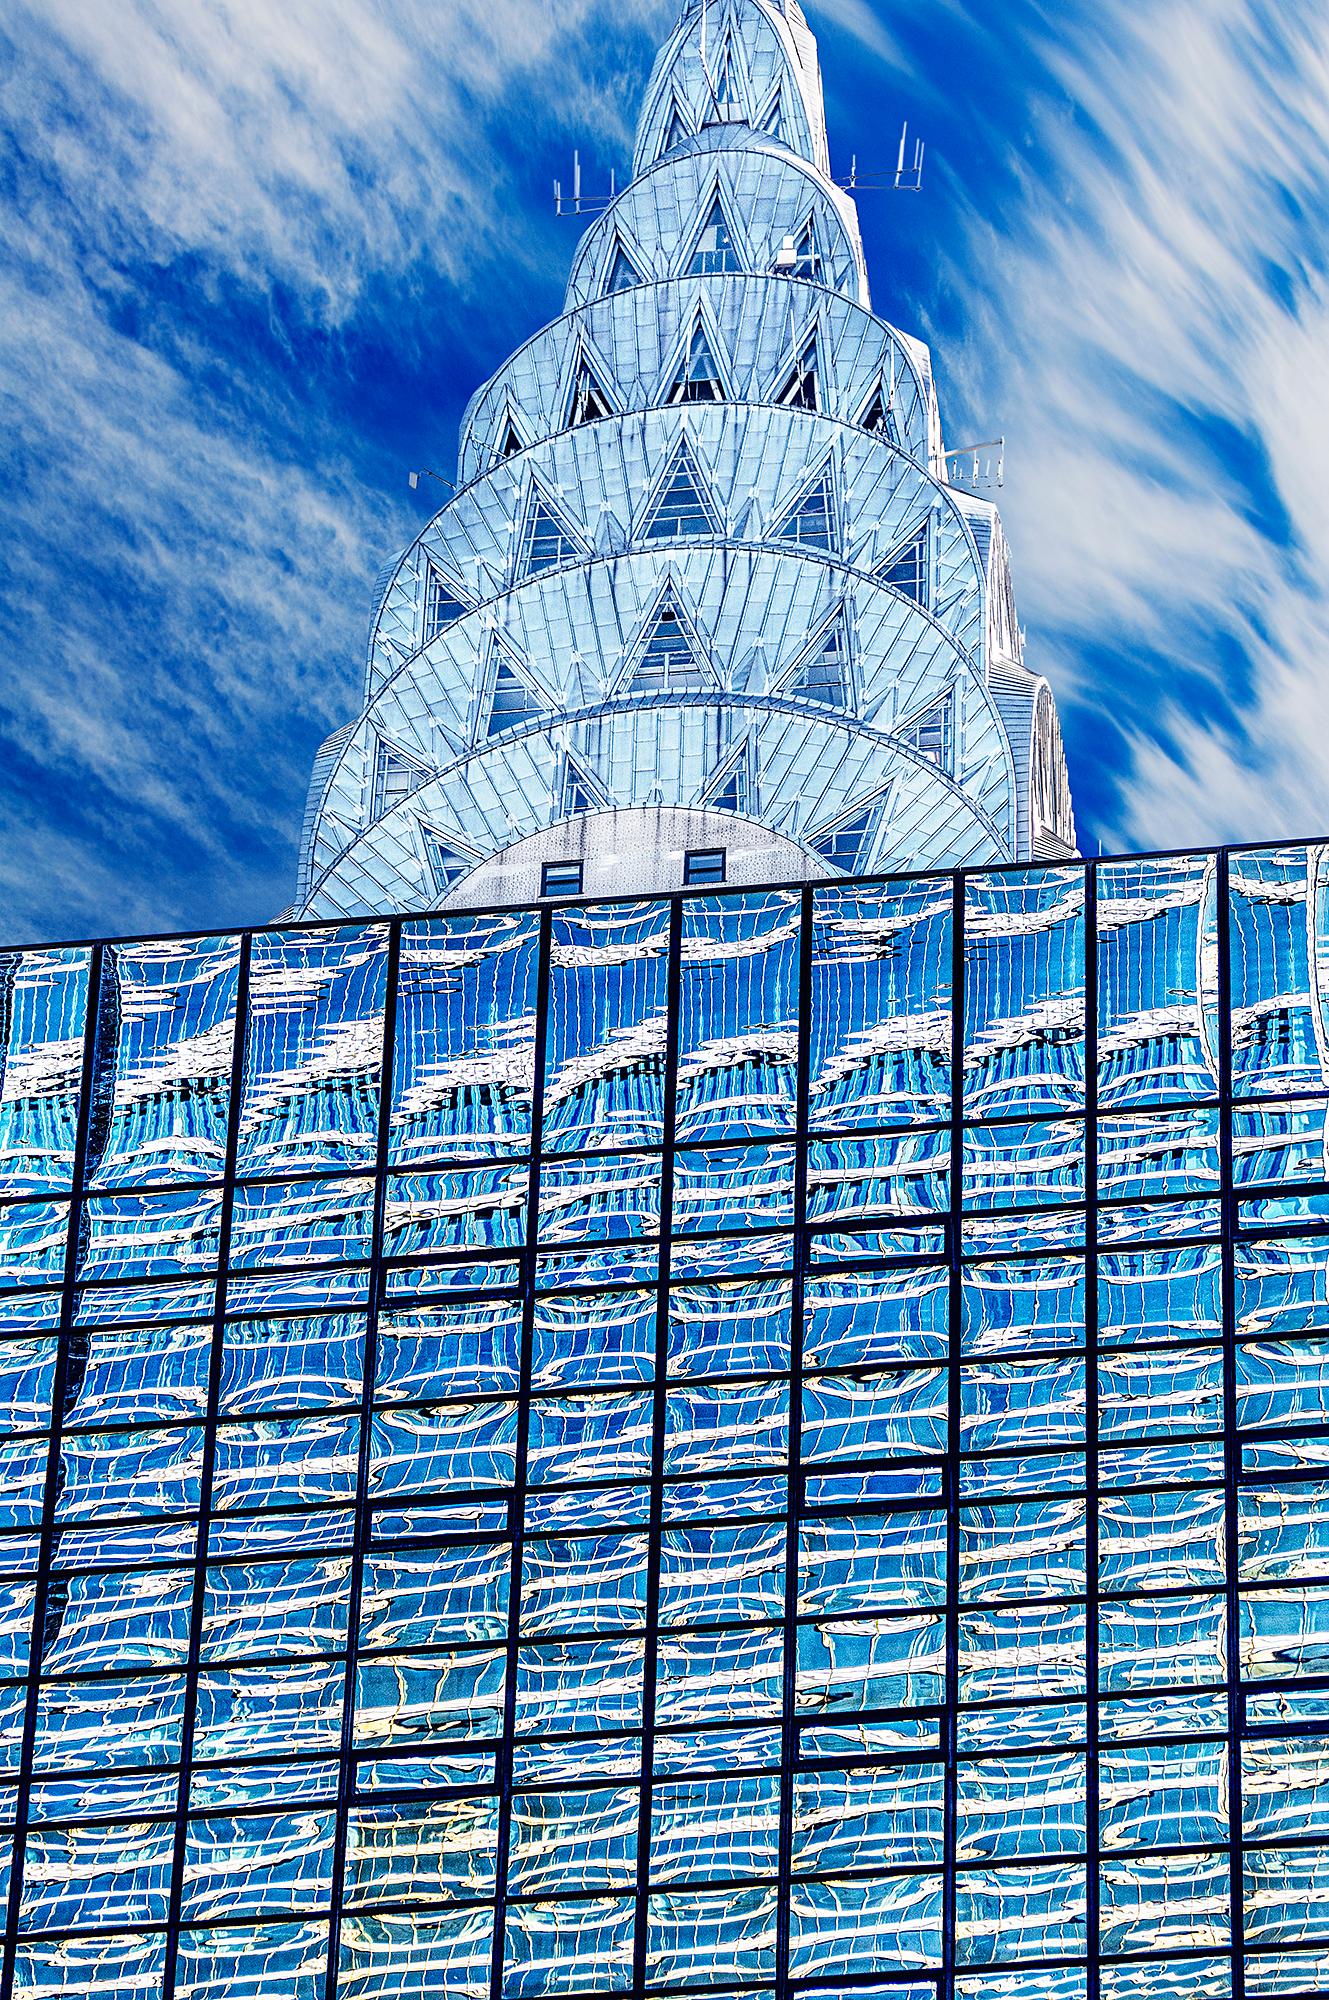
(951, 1476)
(347, 1767)
(89, 1087)
(529, 1265)
(1093, 1831)
(789, 1735)
(1231, 1437)
(659, 1414)
(198, 1603)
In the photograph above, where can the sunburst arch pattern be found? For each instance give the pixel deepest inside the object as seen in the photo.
(702, 519)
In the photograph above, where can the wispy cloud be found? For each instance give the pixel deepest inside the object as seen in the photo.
(1150, 303)
(318, 142)
(256, 260)
(861, 21)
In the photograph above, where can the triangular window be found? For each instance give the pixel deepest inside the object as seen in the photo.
(845, 845)
(698, 380)
(824, 674)
(513, 701)
(729, 792)
(509, 442)
(800, 389)
(676, 133)
(906, 569)
(726, 97)
(589, 401)
(395, 778)
(545, 542)
(715, 246)
(443, 607)
(447, 864)
(667, 663)
(930, 733)
(576, 798)
(577, 793)
(879, 417)
(811, 521)
(682, 508)
(623, 273)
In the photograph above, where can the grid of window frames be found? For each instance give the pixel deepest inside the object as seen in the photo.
(744, 1442)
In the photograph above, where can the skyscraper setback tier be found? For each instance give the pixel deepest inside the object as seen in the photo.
(740, 1442)
(706, 584)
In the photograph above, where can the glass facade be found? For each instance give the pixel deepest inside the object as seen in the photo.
(751, 1441)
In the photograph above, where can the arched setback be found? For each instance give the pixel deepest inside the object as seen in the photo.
(475, 809)
(755, 320)
(755, 467)
(703, 562)
(766, 194)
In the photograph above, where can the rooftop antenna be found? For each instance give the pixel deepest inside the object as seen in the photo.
(981, 471)
(578, 203)
(413, 478)
(583, 205)
(909, 180)
(906, 179)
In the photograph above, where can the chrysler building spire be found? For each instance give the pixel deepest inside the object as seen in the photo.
(704, 585)
(759, 69)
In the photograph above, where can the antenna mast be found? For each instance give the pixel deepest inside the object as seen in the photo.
(906, 179)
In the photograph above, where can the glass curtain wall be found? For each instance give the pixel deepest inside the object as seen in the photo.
(751, 1441)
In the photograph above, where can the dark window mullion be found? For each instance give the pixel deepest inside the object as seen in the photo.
(797, 1308)
(659, 1404)
(368, 1375)
(83, 1139)
(1231, 1441)
(1093, 1844)
(517, 1497)
(954, 1234)
(190, 1713)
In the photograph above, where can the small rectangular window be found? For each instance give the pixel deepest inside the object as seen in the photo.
(561, 878)
(703, 865)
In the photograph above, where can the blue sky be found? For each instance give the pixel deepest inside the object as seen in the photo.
(256, 258)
